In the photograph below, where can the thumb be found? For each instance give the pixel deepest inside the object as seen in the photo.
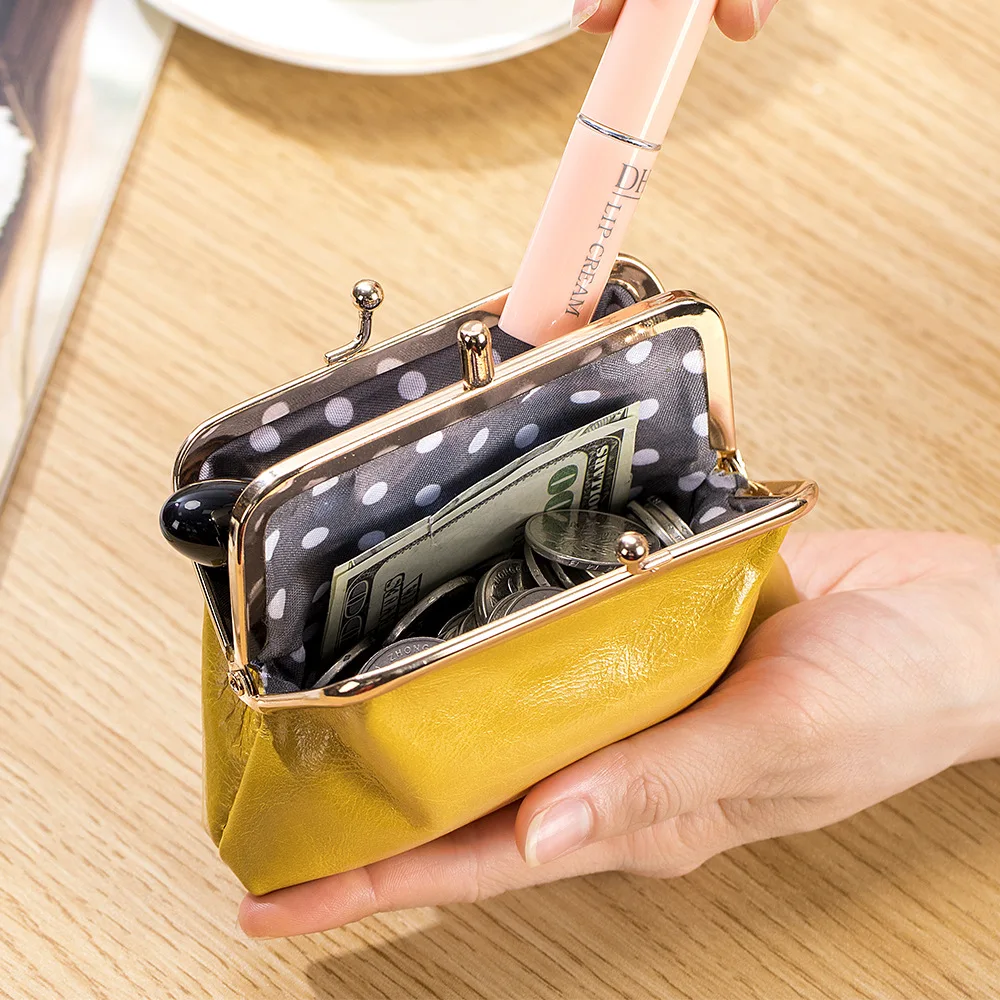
(713, 751)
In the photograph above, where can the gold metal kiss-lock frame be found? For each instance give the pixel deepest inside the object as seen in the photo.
(657, 312)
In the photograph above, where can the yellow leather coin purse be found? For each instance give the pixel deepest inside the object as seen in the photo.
(316, 765)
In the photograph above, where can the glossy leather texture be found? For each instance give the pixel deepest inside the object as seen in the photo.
(297, 794)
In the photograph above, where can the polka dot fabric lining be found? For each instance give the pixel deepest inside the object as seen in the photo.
(334, 520)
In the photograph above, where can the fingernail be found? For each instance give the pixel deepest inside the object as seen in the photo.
(584, 10)
(556, 831)
(760, 11)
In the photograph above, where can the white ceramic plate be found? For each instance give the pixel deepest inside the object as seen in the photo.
(378, 36)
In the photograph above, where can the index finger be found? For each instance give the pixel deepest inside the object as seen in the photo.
(741, 20)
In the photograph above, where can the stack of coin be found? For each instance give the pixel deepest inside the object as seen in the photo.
(562, 549)
(571, 547)
(659, 519)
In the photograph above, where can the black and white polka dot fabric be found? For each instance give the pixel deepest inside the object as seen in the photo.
(312, 533)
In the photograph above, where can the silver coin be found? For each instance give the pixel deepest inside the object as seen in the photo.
(585, 539)
(542, 571)
(499, 581)
(570, 577)
(529, 598)
(435, 609)
(453, 626)
(501, 609)
(399, 650)
(342, 666)
(661, 509)
(653, 527)
(559, 572)
(525, 599)
(471, 622)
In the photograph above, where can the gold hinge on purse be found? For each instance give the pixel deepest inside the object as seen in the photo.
(243, 683)
(730, 463)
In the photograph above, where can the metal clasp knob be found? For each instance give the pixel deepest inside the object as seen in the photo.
(475, 342)
(633, 551)
(368, 296)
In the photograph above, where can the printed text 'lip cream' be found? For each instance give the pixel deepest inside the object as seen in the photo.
(606, 167)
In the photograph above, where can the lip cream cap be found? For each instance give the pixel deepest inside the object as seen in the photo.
(646, 65)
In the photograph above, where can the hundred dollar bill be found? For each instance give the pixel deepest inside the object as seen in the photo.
(590, 468)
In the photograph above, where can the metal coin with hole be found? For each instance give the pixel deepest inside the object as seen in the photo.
(429, 616)
(505, 578)
(583, 539)
(399, 650)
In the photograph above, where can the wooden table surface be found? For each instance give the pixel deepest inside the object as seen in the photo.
(833, 187)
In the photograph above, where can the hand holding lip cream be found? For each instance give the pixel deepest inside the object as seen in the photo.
(606, 166)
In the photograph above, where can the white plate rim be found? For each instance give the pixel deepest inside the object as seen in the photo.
(372, 67)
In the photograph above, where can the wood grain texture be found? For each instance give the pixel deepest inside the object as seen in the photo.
(834, 187)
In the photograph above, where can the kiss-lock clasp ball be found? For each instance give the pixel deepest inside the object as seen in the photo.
(195, 520)
(633, 550)
(368, 295)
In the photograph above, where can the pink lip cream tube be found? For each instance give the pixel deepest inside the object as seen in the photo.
(606, 167)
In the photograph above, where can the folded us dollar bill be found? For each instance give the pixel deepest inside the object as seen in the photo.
(590, 468)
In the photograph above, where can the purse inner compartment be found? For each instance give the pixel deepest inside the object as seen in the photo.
(334, 520)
